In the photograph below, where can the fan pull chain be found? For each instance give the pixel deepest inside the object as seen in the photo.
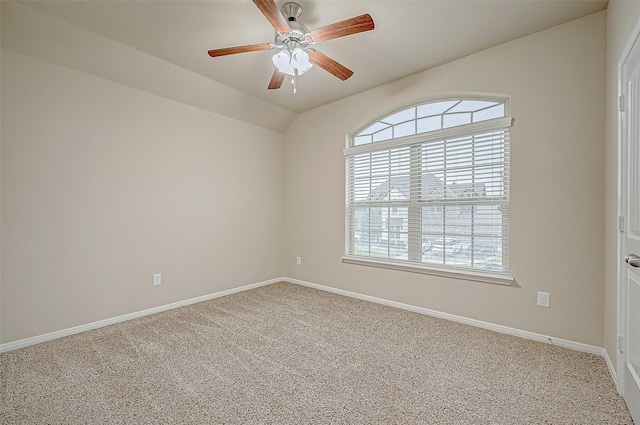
(294, 81)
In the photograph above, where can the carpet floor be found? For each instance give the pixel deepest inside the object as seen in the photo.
(287, 354)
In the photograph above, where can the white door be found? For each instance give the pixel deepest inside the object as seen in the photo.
(630, 226)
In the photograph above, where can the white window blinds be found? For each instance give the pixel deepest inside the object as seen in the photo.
(437, 198)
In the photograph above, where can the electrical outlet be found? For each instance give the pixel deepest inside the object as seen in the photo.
(299, 261)
(157, 279)
(543, 299)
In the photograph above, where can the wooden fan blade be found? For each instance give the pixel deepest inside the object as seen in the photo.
(276, 80)
(270, 10)
(239, 49)
(340, 29)
(329, 65)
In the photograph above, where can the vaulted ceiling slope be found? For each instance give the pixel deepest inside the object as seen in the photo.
(409, 37)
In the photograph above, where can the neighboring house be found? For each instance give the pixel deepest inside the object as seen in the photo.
(433, 187)
(466, 190)
(391, 224)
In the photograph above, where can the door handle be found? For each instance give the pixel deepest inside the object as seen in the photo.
(632, 259)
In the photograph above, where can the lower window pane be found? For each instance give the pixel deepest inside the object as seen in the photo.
(381, 232)
(468, 236)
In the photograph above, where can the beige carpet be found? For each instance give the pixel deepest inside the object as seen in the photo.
(286, 354)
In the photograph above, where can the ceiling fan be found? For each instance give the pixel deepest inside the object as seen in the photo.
(295, 40)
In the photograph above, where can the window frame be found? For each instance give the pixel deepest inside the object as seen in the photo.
(414, 232)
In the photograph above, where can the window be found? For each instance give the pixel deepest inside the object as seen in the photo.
(428, 188)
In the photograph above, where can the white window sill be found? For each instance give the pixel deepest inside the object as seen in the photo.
(499, 279)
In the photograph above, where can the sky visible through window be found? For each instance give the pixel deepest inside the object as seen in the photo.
(430, 117)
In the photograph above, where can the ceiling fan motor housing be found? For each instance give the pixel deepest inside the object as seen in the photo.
(299, 34)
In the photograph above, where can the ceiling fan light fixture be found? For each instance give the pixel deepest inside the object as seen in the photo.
(300, 60)
(282, 61)
(296, 62)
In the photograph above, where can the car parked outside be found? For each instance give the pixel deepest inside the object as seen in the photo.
(481, 251)
(448, 245)
(426, 246)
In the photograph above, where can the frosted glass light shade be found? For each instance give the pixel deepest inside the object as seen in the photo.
(287, 62)
(300, 60)
(282, 61)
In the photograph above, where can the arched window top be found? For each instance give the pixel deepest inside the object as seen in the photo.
(431, 116)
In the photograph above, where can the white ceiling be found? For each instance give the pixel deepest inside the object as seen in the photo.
(410, 36)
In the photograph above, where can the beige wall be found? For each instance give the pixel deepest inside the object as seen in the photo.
(621, 18)
(556, 82)
(104, 185)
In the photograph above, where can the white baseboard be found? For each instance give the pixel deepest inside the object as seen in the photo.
(612, 370)
(480, 324)
(101, 323)
(578, 346)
